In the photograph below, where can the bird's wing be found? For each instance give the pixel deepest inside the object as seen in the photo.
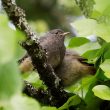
(84, 61)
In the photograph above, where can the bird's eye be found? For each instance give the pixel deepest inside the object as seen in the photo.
(56, 32)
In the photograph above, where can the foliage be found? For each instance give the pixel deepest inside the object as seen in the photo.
(102, 92)
(90, 92)
(11, 97)
(86, 6)
(98, 21)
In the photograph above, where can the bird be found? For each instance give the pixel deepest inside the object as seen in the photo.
(25, 64)
(68, 65)
(73, 68)
(53, 43)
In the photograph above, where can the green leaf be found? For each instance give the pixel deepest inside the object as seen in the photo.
(101, 41)
(49, 108)
(7, 41)
(72, 101)
(100, 75)
(107, 74)
(77, 41)
(24, 103)
(86, 82)
(101, 5)
(19, 102)
(106, 52)
(86, 47)
(102, 91)
(86, 27)
(3, 19)
(19, 52)
(10, 80)
(93, 102)
(82, 86)
(33, 78)
(91, 55)
(105, 66)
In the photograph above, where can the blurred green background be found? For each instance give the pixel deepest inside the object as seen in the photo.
(45, 15)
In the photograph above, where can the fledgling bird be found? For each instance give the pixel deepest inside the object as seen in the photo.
(53, 43)
(25, 65)
(73, 68)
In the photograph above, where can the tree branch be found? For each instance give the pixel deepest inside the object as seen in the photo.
(37, 54)
(41, 95)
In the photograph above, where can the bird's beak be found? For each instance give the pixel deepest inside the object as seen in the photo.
(65, 33)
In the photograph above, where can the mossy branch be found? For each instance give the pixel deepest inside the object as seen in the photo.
(35, 51)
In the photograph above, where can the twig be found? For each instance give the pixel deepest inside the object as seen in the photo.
(41, 95)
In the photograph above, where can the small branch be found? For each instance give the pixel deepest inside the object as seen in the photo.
(35, 51)
(41, 95)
